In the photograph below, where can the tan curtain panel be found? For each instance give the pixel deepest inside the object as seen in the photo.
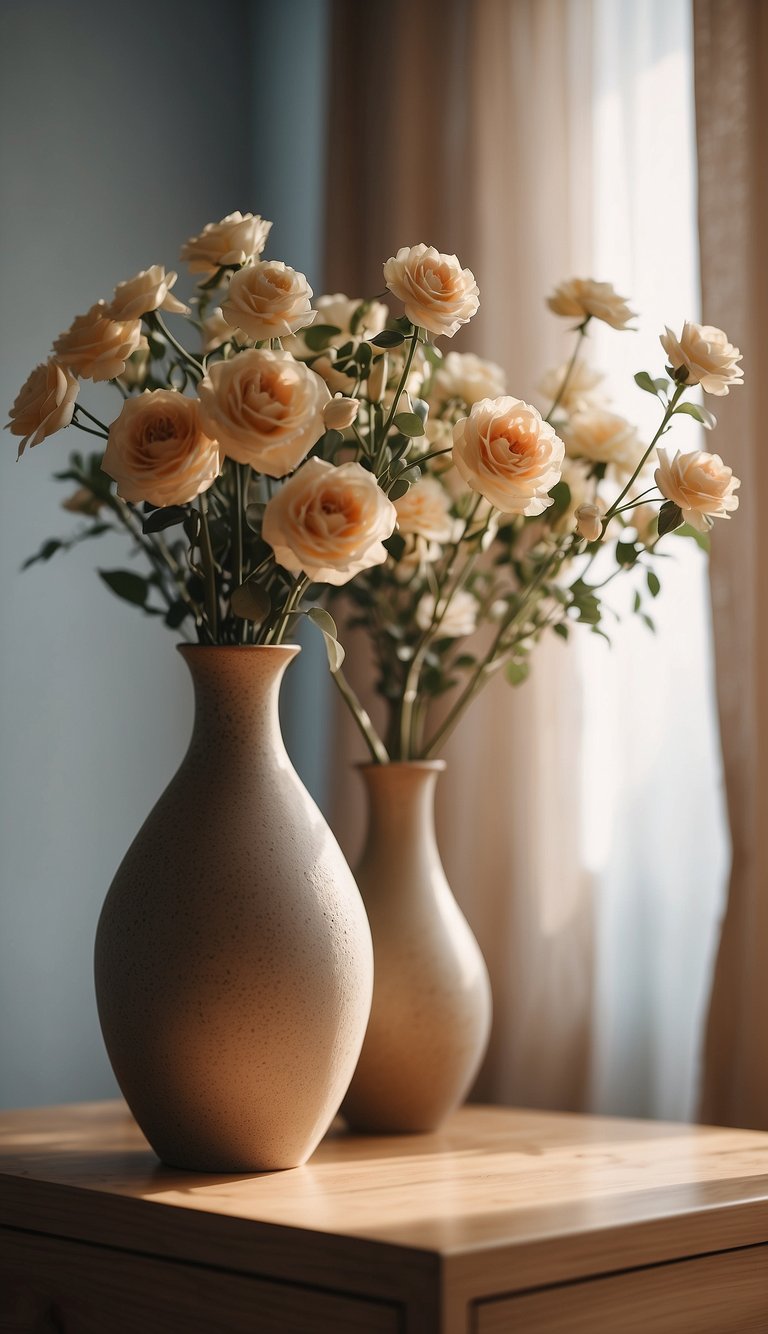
(731, 55)
(467, 126)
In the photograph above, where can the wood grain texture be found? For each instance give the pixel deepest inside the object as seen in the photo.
(497, 1203)
(718, 1294)
(52, 1285)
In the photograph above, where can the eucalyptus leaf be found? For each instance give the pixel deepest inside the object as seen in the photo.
(250, 602)
(126, 584)
(160, 519)
(326, 624)
(410, 424)
(388, 338)
(400, 487)
(644, 381)
(318, 336)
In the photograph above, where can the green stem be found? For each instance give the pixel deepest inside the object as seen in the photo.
(672, 404)
(569, 370)
(371, 737)
(209, 570)
(79, 408)
(156, 318)
(395, 401)
(290, 605)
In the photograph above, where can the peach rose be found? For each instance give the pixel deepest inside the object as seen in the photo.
(579, 388)
(157, 450)
(268, 300)
(234, 240)
(458, 619)
(709, 358)
(580, 298)
(603, 437)
(425, 510)
(700, 484)
(44, 404)
(149, 290)
(95, 346)
(264, 408)
(469, 378)
(437, 293)
(508, 454)
(329, 522)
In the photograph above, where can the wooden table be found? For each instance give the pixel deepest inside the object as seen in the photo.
(527, 1222)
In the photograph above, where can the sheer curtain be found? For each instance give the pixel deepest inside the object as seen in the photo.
(579, 819)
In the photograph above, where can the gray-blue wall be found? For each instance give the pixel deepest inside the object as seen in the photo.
(123, 129)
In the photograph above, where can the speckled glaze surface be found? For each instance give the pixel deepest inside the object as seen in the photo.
(233, 957)
(431, 1012)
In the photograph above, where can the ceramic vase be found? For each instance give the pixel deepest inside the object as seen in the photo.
(431, 1013)
(233, 956)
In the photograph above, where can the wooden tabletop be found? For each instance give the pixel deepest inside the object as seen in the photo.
(551, 1196)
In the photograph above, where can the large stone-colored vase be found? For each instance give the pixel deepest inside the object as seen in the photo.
(431, 1012)
(233, 957)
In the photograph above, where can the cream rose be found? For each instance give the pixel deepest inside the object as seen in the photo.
(579, 387)
(149, 290)
(709, 358)
(95, 346)
(44, 404)
(339, 310)
(425, 510)
(458, 619)
(437, 293)
(158, 451)
(329, 522)
(700, 484)
(469, 378)
(589, 521)
(268, 300)
(580, 298)
(508, 454)
(264, 408)
(603, 437)
(234, 240)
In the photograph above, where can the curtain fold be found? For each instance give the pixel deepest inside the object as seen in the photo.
(468, 126)
(731, 61)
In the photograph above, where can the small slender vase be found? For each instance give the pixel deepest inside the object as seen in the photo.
(233, 957)
(431, 1012)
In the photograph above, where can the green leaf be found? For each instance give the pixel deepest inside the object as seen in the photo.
(662, 384)
(699, 414)
(627, 553)
(127, 585)
(326, 624)
(318, 336)
(643, 381)
(561, 629)
(400, 487)
(161, 519)
(388, 338)
(561, 497)
(637, 602)
(192, 525)
(701, 539)
(47, 550)
(176, 613)
(654, 583)
(409, 423)
(516, 672)
(250, 602)
(670, 517)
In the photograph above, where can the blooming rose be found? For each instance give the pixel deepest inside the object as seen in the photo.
(97, 347)
(149, 290)
(157, 450)
(507, 453)
(580, 298)
(589, 521)
(340, 412)
(268, 300)
(579, 387)
(603, 437)
(700, 484)
(707, 356)
(437, 293)
(425, 510)
(234, 240)
(464, 376)
(264, 408)
(459, 617)
(329, 522)
(44, 404)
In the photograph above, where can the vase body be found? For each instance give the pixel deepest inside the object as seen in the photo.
(233, 957)
(431, 1013)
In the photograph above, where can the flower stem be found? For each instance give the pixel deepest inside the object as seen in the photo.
(672, 404)
(209, 570)
(371, 737)
(156, 318)
(569, 370)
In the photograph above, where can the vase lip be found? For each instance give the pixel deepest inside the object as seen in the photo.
(185, 649)
(431, 766)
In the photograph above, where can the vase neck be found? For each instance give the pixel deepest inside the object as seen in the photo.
(401, 802)
(237, 691)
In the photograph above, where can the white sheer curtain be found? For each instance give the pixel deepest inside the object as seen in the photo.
(654, 829)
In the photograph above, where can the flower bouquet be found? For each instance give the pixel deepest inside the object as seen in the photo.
(274, 456)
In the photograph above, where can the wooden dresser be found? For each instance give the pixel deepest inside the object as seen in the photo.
(506, 1222)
